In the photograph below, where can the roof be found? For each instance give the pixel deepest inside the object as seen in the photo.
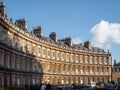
(117, 64)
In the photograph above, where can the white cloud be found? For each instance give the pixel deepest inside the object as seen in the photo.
(105, 33)
(76, 40)
(107, 46)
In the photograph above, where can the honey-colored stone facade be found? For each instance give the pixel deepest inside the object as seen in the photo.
(116, 72)
(29, 58)
(116, 76)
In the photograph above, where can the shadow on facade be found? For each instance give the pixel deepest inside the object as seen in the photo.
(18, 67)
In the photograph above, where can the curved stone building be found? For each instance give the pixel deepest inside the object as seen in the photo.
(30, 58)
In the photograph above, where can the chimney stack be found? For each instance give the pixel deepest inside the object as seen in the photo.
(68, 41)
(87, 44)
(53, 36)
(115, 62)
(2, 9)
(21, 23)
(38, 31)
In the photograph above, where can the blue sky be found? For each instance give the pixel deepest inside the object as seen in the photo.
(95, 20)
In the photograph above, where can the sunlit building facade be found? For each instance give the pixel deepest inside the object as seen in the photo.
(28, 58)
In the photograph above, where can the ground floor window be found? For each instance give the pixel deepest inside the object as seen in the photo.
(2, 80)
(18, 81)
(62, 81)
(33, 81)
